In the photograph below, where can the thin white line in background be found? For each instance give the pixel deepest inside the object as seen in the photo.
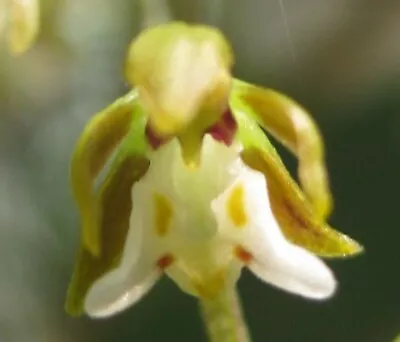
(288, 31)
(155, 12)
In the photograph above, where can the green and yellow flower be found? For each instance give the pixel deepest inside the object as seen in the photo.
(195, 190)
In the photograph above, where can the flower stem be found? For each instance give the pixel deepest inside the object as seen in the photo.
(223, 317)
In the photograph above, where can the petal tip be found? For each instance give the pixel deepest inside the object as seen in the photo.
(71, 307)
(354, 248)
(116, 291)
(100, 304)
(322, 285)
(326, 289)
(346, 247)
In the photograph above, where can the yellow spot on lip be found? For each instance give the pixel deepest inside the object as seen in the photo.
(235, 207)
(163, 214)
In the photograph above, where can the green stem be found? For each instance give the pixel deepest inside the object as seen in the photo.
(223, 318)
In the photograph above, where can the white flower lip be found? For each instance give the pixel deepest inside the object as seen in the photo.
(201, 227)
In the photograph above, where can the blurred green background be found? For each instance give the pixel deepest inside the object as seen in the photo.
(339, 58)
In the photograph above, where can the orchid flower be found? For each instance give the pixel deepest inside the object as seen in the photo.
(22, 19)
(195, 190)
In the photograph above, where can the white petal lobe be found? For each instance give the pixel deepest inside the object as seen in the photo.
(296, 271)
(274, 259)
(137, 272)
(114, 293)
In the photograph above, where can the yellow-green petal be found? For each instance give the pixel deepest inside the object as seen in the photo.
(294, 127)
(115, 204)
(99, 139)
(294, 213)
(24, 25)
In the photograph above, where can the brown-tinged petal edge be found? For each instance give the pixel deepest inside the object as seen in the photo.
(115, 201)
(294, 128)
(99, 139)
(293, 211)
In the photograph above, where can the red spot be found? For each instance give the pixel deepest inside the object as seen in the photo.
(165, 261)
(243, 254)
(225, 129)
(153, 139)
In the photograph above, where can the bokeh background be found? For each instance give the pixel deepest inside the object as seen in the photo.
(339, 58)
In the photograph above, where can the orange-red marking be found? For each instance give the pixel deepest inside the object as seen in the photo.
(243, 254)
(165, 261)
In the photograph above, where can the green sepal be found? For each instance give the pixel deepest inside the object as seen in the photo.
(294, 127)
(291, 208)
(99, 140)
(115, 204)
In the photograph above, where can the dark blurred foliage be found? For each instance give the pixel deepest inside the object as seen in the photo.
(340, 59)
